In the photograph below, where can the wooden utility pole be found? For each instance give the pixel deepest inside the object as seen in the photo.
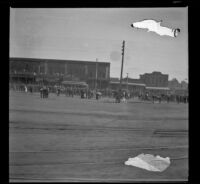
(96, 75)
(123, 45)
(127, 82)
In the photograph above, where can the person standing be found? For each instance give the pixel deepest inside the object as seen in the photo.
(82, 93)
(177, 99)
(31, 89)
(58, 91)
(97, 95)
(153, 98)
(118, 96)
(159, 98)
(72, 92)
(147, 96)
(41, 92)
(47, 92)
(26, 89)
(44, 92)
(168, 97)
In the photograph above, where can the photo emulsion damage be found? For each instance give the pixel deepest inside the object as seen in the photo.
(98, 94)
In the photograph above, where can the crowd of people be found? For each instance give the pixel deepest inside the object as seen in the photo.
(78, 91)
(164, 97)
(44, 92)
(86, 93)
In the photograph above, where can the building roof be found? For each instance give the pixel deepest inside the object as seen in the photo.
(114, 79)
(22, 74)
(131, 80)
(154, 72)
(158, 88)
(54, 60)
(129, 83)
(75, 83)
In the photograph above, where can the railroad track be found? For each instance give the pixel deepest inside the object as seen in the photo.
(62, 127)
(70, 179)
(104, 114)
(79, 163)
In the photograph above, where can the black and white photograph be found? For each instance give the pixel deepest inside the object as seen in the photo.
(98, 94)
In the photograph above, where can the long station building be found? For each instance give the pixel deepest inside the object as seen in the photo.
(93, 74)
(31, 70)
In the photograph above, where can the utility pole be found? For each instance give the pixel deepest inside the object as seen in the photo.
(123, 45)
(127, 82)
(96, 75)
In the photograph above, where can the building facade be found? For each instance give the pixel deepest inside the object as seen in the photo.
(155, 79)
(156, 83)
(134, 86)
(178, 88)
(33, 70)
(173, 84)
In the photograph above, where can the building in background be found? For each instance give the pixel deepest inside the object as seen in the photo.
(173, 84)
(156, 83)
(52, 71)
(178, 88)
(155, 79)
(134, 86)
(184, 85)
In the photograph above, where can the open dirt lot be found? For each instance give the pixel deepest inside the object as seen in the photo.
(73, 139)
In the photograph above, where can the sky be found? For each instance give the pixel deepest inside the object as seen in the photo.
(97, 33)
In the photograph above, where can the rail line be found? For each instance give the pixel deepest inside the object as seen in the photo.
(104, 149)
(79, 163)
(93, 179)
(63, 127)
(127, 116)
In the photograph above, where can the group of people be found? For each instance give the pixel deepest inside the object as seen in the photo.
(44, 92)
(21, 87)
(121, 96)
(182, 99)
(86, 93)
(82, 92)
(164, 97)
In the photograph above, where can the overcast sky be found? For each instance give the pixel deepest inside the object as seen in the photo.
(90, 33)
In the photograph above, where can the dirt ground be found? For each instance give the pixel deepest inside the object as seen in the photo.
(72, 139)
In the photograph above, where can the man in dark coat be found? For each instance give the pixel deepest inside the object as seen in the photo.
(41, 92)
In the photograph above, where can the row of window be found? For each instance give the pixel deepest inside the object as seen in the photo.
(51, 68)
(156, 81)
